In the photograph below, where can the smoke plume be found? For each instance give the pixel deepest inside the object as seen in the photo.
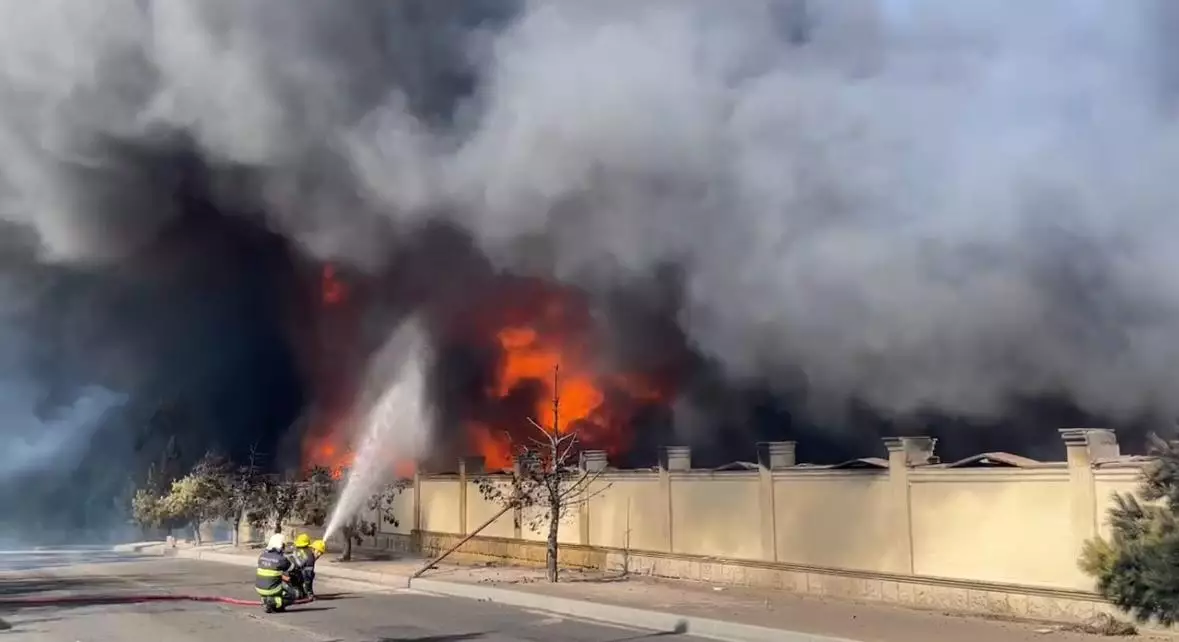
(906, 205)
(921, 206)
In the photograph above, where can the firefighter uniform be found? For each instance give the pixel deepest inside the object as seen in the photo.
(273, 566)
(303, 565)
(304, 562)
(315, 551)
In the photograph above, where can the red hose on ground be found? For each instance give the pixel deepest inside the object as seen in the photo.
(127, 599)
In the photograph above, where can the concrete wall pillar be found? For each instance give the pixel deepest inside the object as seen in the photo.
(593, 462)
(903, 454)
(417, 499)
(517, 512)
(678, 458)
(771, 456)
(462, 495)
(674, 459)
(469, 467)
(1083, 447)
(777, 455)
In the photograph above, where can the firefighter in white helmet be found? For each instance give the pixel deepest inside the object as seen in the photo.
(272, 578)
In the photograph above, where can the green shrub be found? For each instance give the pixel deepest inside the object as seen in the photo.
(1137, 569)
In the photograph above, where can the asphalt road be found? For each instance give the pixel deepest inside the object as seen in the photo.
(347, 612)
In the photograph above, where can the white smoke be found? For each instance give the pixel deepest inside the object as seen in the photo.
(35, 443)
(918, 203)
(38, 435)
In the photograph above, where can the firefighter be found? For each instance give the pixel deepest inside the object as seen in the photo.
(303, 561)
(273, 580)
(318, 548)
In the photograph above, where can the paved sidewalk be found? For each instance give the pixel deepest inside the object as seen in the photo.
(720, 612)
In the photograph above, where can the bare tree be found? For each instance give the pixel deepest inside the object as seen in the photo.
(546, 482)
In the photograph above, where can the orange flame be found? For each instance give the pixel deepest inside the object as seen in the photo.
(325, 447)
(526, 358)
(548, 356)
(329, 448)
(495, 448)
(326, 456)
(545, 340)
(328, 443)
(333, 289)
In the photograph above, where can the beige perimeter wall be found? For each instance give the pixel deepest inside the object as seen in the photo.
(996, 530)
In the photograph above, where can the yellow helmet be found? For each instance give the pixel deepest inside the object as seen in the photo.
(319, 546)
(303, 540)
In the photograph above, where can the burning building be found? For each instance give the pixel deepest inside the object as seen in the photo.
(619, 364)
(508, 348)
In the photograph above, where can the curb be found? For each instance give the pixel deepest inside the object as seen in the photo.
(658, 621)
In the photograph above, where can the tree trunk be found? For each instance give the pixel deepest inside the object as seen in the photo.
(554, 529)
(348, 535)
(237, 529)
(196, 532)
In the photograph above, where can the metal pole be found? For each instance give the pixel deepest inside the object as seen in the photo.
(464, 540)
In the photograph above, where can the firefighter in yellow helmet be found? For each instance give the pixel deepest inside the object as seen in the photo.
(318, 548)
(303, 560)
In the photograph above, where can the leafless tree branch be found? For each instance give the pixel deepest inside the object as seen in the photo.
(586, 494)
(542, 479)
(583, 482)
(573, 442)
(544, 431)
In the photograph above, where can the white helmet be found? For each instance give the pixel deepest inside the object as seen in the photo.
(276, 542)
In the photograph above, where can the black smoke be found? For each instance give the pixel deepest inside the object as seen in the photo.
(440, 273)
(181, 347)
(835, 221)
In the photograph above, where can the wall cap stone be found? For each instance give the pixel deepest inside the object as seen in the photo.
(918, 451)
(1095, 443)
(776, 455)
(594, 460)
(677, 458)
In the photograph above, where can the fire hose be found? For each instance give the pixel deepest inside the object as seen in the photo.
(127, 599)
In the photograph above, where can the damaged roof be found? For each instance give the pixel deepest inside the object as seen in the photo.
(736, 465)
(863, 462)
(995, 460)
(851, 464)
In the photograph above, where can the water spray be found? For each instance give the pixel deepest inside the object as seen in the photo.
(394, 422)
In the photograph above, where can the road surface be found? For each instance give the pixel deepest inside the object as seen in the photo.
(349, 612)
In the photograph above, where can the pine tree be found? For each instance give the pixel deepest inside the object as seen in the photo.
(1137, 569)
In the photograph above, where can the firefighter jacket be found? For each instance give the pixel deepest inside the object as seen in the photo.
(304, 558)
(272, 566)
